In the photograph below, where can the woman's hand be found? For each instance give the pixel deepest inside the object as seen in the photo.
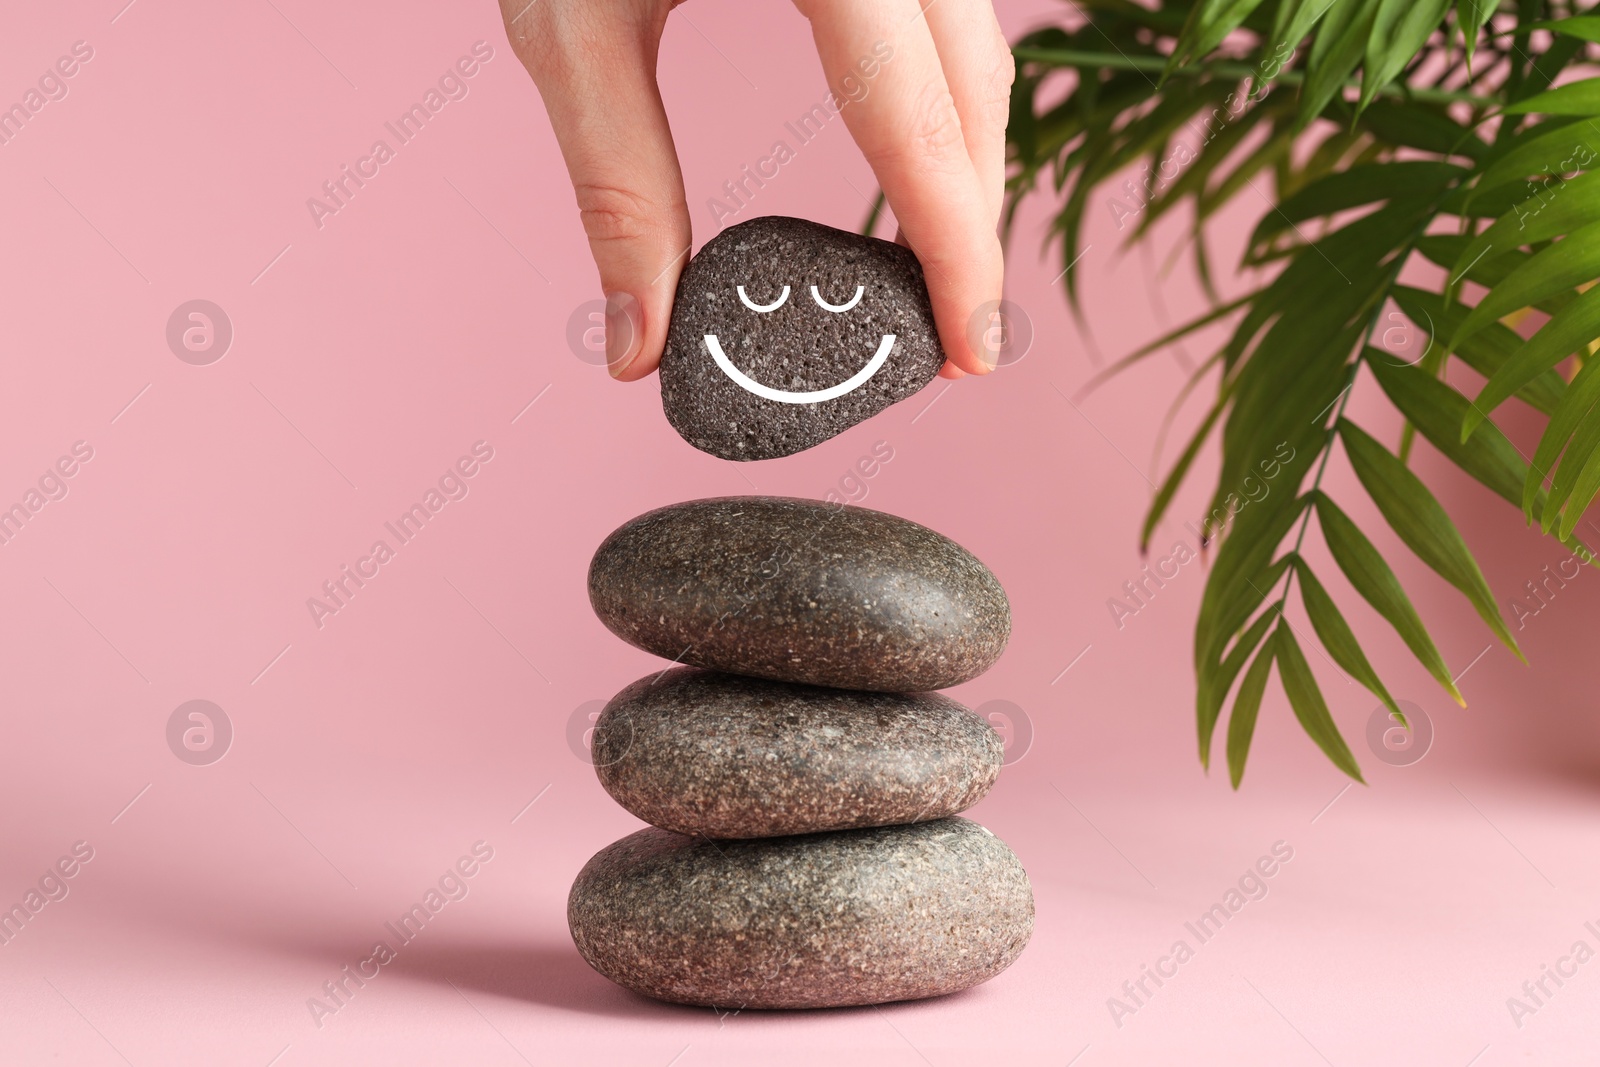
(931, 122)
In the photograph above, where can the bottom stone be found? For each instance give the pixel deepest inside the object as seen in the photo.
(811, 921)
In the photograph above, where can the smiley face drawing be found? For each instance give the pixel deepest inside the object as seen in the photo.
(786, 333)
(813, 396)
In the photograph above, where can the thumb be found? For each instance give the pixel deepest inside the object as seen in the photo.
(594, 66)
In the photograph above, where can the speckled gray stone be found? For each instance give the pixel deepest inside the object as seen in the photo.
(797, 347)
(724, 756)
(813, 921)
(801, 591)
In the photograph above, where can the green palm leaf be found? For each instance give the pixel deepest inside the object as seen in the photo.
(1341, 41)
(1571, 329)
(1398, 30)
(1337, 638)
(1300, 685)
(1582, 494)
(1583, 444)
(1583, 27)
(1214, 688)
(1209, 22)
(1486, 165)
(1472, 16)
(1414, 514)
(1377, 584)
(1578, 98)
(1350, 188)
(1562, 266)
(1436, 410)
(1573, 412)
(1573, 204)
(1295, 19)
(1242, 723)
(1486, 351)
(1558, 146)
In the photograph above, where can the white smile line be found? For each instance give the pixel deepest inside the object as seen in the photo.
(816, 396)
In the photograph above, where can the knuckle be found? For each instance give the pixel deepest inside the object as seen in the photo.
(530, 28)
(611, 213)
(557, 39)
(996, 90)
(935, 131)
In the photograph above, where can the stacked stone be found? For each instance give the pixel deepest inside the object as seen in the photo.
(800, 774)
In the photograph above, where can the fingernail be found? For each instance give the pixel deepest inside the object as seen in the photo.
(624, 331)
(999, 333)
(984, 354)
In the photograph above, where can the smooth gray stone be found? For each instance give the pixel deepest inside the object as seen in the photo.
(797, 347)
(801, 591)
(813, 921)
(724, 756)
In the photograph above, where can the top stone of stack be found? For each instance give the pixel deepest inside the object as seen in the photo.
(785, 333)
(801, 591)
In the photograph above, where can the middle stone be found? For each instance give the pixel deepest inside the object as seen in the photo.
(729, 757)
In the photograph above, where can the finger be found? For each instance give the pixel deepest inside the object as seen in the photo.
(908, 127)
(979, 70)
(946, 369)
(594, 66)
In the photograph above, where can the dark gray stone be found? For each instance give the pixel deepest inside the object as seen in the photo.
(813, 921)
(798, 347)
(801, 591)
(724, 756)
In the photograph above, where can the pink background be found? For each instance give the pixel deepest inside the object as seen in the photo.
(371, 753)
